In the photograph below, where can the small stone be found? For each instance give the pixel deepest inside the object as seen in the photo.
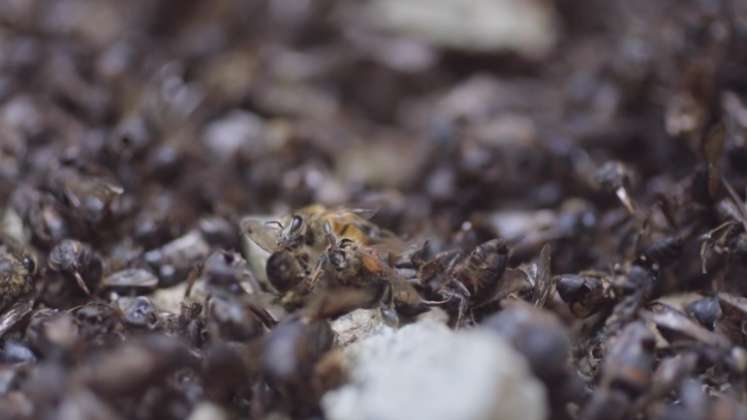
(525, 27)
(208, 411)
(358, 325)
(425, 370)
(238, 129)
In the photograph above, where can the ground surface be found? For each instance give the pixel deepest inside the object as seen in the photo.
(604, 143)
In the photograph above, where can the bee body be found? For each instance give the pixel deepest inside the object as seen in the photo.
(318, 249)
(17, 273)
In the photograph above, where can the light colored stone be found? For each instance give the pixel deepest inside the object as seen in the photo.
(228, 135)
(11, 227)
(169, 299)
(358, 325)
(208, 411)
(426, 371)
(527, 27)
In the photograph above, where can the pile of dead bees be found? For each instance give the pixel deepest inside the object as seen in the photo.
(193, 195)
(101, 336)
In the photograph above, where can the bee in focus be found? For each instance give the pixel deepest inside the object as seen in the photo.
(17, 273)
(297, 241)
(306, 228)
(317, 248)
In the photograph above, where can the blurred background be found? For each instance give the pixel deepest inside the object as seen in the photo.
(434, 113)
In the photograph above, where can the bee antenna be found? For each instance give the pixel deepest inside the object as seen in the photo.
(275, 223)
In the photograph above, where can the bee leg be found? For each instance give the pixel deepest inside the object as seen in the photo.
(464, 317)
(81, 283)
(316, 274)
(462, 300)
(192, 278)
(390, 317)
(388, 310)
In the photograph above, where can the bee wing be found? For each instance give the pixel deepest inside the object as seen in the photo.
(15, 313)
(367, 214)
(264, 233)
(742, 212)
(544, 276)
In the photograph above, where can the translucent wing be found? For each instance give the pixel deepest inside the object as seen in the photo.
(544, 276)
(265, 233)
(741, 210)
(364, 213)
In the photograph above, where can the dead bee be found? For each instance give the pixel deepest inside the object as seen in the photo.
(354, 266)
(131, 366)
(606, 404)
(232, 320)
(483, 267)
(629, 363)
(173, 260)
(290, 352)
(730, 237)
(234, 303)
(539, 335)
(219, 231)
(285, 270)
(41, 213)
(475, 279)
(626, 373)
(226, 271)
(706, 311)
(138, 312)
(51, 331)
(617, 178)
(433, 273)
(89, 196)
(733, 321)
(348, 264)
(349, 276)
(306, 228)
(665, 250)
(676, 329)
(632, 286)
(672, 371)
(331, 248)
(541, 277)
(77, 260)
(17, 273)
(531, 282)
(585, 293)
(544, 341)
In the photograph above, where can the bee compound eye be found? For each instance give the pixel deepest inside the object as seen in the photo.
(296, 223)
(30, 264)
